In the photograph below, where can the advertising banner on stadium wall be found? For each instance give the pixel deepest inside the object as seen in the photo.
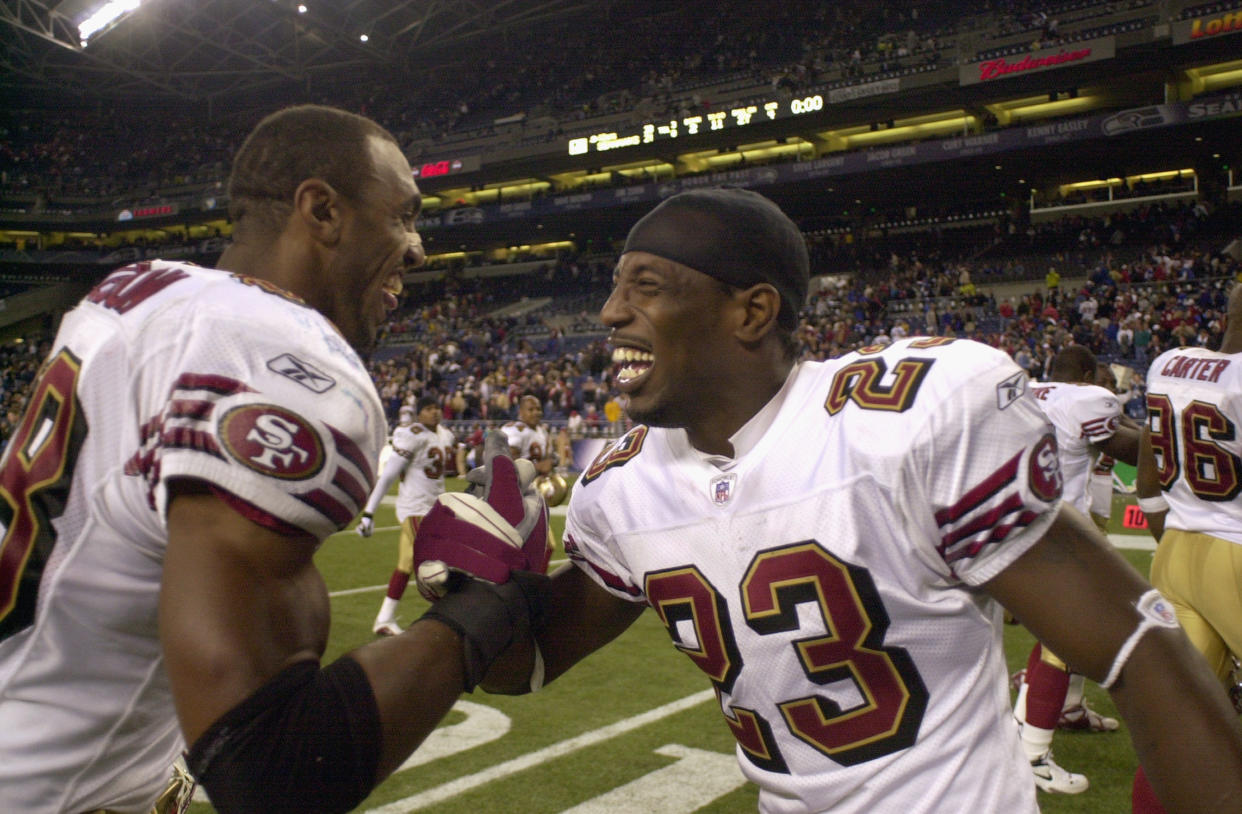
(1079, 128)
(1037, 61)
(162, 210)
(1207, 26)
(838, 95)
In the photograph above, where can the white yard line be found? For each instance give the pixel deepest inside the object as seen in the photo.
(1140, 542)
(453, 788)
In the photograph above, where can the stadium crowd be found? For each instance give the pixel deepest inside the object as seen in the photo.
(478, 343)
(89, 152)
(1169, 293)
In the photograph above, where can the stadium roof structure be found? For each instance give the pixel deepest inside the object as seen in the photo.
(204, 50)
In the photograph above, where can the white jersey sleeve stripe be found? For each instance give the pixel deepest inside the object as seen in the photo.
(348, 484)
(327, 505)
(350, 452)
(969, 540)
(977, 495)
(574, 552)
(197, 409)
(1099, 428)
(212, 383)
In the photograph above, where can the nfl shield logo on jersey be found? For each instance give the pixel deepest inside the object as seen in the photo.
(721, 488)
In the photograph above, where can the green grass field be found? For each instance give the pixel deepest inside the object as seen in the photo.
(625, 732)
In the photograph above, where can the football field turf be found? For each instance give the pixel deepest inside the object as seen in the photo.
(634, 729)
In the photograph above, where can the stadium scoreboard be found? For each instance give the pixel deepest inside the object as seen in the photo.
(724, 119)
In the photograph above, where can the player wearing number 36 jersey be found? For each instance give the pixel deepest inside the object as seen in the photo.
(829, 542)
(1194, 402)
(1190, 486)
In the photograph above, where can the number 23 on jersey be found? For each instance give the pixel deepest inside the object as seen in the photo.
(852, 649)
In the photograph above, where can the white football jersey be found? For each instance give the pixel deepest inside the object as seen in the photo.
(530, 442)
(826, 578)
(426, 453)
(1084, 414)
(164, 371)
(1194, 408)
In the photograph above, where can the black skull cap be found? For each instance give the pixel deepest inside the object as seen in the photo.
(732, 234)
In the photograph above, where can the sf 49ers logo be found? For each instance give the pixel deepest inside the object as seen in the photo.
(273, 441)
(1045, 469)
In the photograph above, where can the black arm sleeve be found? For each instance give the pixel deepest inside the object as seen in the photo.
(308, 741)
(489, 617)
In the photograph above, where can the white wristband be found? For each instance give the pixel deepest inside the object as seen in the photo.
(536, 673)
(1151, 505)
(1154, 611)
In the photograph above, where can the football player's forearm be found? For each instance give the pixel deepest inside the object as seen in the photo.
(510, 673)
(581, 618)
(1147, 486)
(1185, 732)
(1155, 524)
(1123, 444)
(394, 467)
(416, 678)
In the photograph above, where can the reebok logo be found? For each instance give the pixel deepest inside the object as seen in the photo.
(304, 373)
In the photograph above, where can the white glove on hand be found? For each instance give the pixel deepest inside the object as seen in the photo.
(366, 525)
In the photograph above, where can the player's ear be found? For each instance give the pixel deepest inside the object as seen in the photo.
(761, 305)
(318, 205)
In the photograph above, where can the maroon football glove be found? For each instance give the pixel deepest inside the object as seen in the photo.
(499, 525)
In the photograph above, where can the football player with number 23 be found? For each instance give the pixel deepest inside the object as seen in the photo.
(832, 543)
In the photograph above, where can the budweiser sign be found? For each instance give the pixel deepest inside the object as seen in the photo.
(1035, 61)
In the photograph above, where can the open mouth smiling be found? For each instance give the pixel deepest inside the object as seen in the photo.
(392, 289)
(630, 367)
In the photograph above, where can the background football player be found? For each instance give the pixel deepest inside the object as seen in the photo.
(420, 451)
(1088, 422)
(528, 436)
(1193, 459)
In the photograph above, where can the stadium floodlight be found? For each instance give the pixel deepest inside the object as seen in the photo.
(104, 16)
(301, 8)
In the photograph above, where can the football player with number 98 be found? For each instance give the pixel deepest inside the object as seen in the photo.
(193, 438)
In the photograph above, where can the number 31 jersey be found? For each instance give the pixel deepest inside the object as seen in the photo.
(825, 578)
(426, 451)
